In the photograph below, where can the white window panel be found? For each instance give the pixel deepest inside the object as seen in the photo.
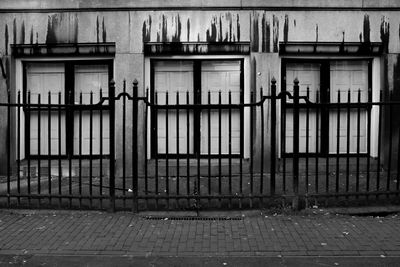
(90, 79)
(42, 78)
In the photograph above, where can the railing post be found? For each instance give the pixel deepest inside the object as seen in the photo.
(295, 203)
(135, 146)
(111, 103)
(273, 135)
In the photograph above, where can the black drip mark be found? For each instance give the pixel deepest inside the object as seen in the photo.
(286, 29)
(6, 38)
(275, 33)
(255, 36)
(366, 29)
(385, 34)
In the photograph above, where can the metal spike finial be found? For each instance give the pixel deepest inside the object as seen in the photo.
(273, 80)
(135, 82)
(296, 80)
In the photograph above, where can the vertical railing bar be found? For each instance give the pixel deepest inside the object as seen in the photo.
(123, 144)
(135, 173)
(49, 147)
(38, 147)
(166, 149)
(59, 149)
(187, 149)
(101, 152)
(230, 146)
(348, 142)
(378, 170)
(177, 148)
(29, 156)
(273, 136)
(398, 162)
(327, 181)
(19, 147)
(358, 142)
(209, 145)
(91, 150)
(262, 148)
(296, 134)
(156, 152)
(111, 103)
(72, 114)
(307, 139)
(251, 149)
(338, 142)
(241, 160)
(8, 148)
(317, 143)
(369, 140)
(146, 174)
(390, 142)
(80, 151)
(219, 146)
(283, 143)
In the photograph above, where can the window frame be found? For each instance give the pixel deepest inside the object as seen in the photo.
(69, 89)
(324, 98)
(196, 142)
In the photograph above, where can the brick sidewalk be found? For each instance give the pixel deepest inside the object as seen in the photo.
(93, 233)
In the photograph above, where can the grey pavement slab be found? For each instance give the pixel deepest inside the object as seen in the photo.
(234, 234)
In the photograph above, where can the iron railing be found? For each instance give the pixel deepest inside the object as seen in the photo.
(131, 152)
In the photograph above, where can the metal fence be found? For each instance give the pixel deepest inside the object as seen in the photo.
(164, 152)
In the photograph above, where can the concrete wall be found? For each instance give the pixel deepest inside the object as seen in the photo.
(262, 23)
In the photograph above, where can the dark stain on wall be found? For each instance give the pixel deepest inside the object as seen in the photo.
(341, 48)
(146, 30)
(316, 37)
(14, 31)
(254, 37)
(62, 28)
(366, 29)
(104, 33)
(385, 34)
(6, 38)
(230, 28)
(238, 29)
(178, 30)
(51, 28)
(188, 29)
(220, 30)
(22, 37)
(211, 34)
(215, 32)
(275, 33)
(31, 36)
(286, 29)
(164, 29)
(76, 29)
(97, 30)
(266, 35)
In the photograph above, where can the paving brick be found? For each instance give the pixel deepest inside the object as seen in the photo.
(124, 233)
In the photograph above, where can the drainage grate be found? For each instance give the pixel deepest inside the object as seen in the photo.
(192, 218)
